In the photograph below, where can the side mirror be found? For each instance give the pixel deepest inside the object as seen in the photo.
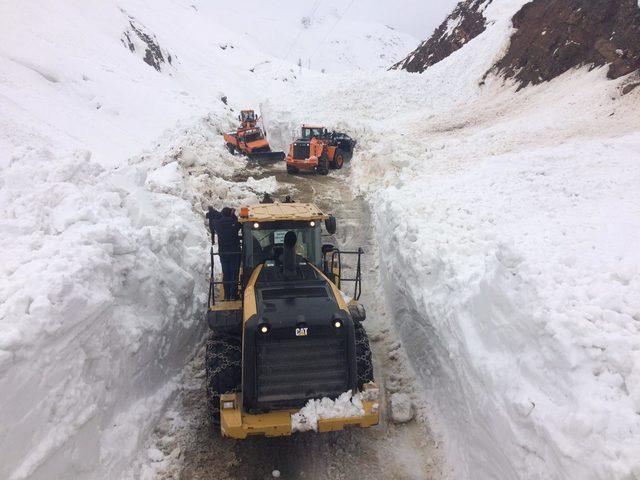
(357, 311)
(330, 224)
(327, 247)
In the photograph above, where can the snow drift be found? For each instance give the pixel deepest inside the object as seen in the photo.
(98, 308)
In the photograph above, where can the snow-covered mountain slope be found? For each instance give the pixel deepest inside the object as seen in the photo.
(507, 223)
(321, 35)
(549, 38)
(464, 23)
(74, 75)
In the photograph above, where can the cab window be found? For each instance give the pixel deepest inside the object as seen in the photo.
(308, 133)
(267, 242)
(252, 135)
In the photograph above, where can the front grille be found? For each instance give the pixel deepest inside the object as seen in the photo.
(301, 150)
(293, 370)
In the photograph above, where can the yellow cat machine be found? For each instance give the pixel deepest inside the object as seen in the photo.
(249, 139)
(319, 150)
(293, 335)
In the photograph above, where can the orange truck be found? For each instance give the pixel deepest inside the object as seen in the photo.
(319, 150)
(250, 140)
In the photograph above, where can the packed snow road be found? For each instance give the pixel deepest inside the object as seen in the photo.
(186, 447)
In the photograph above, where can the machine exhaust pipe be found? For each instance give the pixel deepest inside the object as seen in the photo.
(289, 256)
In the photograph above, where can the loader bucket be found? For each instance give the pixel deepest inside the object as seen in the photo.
(266, 157)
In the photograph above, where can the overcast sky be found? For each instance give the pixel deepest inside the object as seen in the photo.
(416, 17)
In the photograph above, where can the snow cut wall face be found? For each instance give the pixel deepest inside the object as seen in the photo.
(98, 309)
(104, 258)
(521, 310)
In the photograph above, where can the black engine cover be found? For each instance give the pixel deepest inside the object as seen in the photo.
(303, 355)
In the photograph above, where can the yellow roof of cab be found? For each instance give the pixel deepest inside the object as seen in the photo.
(271, 212)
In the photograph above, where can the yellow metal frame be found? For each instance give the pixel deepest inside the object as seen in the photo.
(235, 423)
(224, 305)
(273, 212)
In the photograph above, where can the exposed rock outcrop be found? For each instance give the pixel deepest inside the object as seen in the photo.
(551, 37)
(465, 22)
(145, 44)
(555, 36)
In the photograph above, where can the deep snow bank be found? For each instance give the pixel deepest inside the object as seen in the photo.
(511, 268)
(98, 310)
(516, 293)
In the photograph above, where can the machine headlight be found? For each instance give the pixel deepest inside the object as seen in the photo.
(264, 328)
(312, 223)
(256, 225)
(337, 323)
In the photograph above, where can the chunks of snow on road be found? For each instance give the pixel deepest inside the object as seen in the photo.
(401, 408)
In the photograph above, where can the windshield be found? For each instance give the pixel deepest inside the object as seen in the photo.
(264, 244)
(307, 133)
(248, 116)
(252, 135)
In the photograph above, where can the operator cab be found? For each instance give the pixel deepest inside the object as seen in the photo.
(247, 116)
(264, 231)
(251, 135)
(265, 241)
(308, 132)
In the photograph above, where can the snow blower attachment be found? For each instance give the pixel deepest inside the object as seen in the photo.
(250, 140)
(292, 337)
(319, 150)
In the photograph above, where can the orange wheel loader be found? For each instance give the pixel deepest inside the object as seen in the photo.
(249, 139)
(319, 150)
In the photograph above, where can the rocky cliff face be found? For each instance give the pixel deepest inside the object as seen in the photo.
(551, 37)
(465, 22)
(555, 36)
